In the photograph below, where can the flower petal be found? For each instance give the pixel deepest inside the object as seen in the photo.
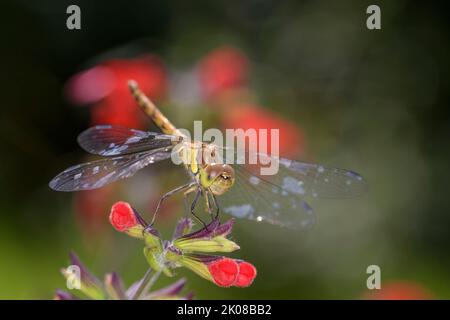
(224, 272)
(206, 232)
(114, 286)
(89, 284)
(125, 219)
(184, 226)
(172, 290)
(63, 295)
(247, 273)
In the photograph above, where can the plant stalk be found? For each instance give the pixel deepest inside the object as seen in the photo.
(143, 284)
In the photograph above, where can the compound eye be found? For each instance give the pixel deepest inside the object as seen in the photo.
(227, 171)
(212, 171)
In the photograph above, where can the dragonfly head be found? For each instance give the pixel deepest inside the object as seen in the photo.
(218, 178)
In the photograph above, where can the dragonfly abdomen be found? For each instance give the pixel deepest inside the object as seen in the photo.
(152, 111)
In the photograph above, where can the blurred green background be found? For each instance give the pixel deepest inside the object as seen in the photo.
(372, 101)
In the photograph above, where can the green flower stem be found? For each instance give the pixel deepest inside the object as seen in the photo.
(146, 284)
(143, 284)
(151, 282)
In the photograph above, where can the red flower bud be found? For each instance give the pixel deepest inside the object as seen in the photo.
(224, 271)
(122, 216)
(247, 273)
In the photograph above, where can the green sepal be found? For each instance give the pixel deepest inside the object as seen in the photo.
(205, 245)
(136, 231)
(196, 266)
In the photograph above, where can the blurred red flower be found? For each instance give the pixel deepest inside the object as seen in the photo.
(222, 69)
(399, 290)
(167, 211)
(91, 207)
(291, 137)
(105, 86)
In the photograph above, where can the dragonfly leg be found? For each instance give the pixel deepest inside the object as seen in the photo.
(165, 196)
(208, 204)
(186, 199)
(216, 204)
(211, 200)
(194, 203)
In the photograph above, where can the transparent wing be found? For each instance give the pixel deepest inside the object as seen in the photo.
(96, 174)
(318, 180)
(257, 199)
(277, 197)
(302, 178)
(112, 140)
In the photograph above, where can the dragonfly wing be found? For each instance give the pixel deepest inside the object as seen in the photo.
(305, 179)
(319, 181)
(96, 174)
(278, 198)
(257, 199)
(112, 140)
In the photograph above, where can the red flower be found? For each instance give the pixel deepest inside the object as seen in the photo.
(122, 216)
(224, 271)
(228, 272)
(291, 137)
(118, 110)
(247, 273)
(92, 206)
(91, 85)
(222, 69)
(106, 86)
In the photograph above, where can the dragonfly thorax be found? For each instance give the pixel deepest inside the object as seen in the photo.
(217, 177)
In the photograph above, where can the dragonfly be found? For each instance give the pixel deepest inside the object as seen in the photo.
(232, 188)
